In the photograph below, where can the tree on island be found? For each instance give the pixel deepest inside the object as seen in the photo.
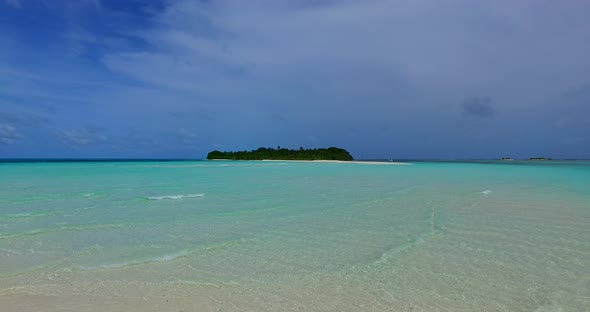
(331, 153)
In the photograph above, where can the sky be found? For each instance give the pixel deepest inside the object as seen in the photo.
(451, 79)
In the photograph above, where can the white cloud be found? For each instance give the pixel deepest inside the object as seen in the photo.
(85, 136)
(392, 70)
(5, 129)
(75, 138)
(404, 64)
(455, 49)
(8, 134)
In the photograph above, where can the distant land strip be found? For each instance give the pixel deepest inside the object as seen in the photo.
(331, 153)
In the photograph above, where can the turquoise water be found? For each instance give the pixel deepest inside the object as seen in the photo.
(276, 236)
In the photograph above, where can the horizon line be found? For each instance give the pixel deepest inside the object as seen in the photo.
(130, 159)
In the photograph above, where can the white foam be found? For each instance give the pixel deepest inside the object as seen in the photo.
(117, 265)
(486, 192)
(21, 215)
(170, 257)
(175, 196)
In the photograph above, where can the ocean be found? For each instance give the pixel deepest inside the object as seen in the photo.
(295, 236)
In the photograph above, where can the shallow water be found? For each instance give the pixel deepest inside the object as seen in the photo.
(276, 236)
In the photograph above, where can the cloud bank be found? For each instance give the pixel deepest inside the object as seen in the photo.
(380, 78)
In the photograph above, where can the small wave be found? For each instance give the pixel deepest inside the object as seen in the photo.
(175, 196)
(118, 265)
(21, 215)
(486, 192)
(65, 228)
(24, 215)
(385, 256)
(31, 232)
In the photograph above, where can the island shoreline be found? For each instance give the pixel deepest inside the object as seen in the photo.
(368, 162)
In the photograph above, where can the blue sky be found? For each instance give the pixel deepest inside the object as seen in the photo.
(383, 79)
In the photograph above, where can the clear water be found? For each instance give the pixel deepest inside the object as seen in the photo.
(277, 236)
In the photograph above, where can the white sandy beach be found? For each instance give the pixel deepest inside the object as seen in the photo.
(341, 162)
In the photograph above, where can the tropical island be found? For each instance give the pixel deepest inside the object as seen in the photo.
(331, 153)
(539, 158)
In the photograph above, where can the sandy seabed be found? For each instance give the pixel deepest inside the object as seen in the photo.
(295, 238)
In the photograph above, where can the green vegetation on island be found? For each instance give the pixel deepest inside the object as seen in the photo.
(331, 153)
(539, 158)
